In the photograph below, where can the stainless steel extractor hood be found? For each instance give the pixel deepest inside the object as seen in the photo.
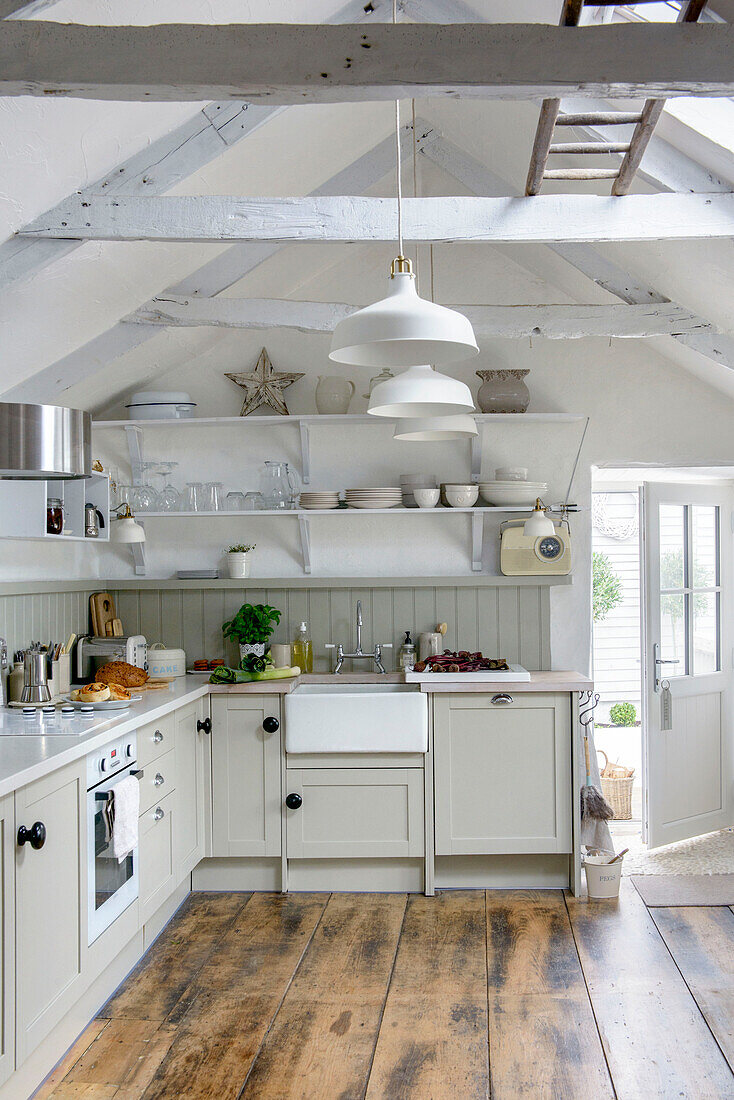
(44, 442)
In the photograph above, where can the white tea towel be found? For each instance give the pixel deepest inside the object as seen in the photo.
(127, 808)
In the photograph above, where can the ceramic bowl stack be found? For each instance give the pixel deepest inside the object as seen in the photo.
(512, 494)
(318, 499)
(389, 497)
(410, 482)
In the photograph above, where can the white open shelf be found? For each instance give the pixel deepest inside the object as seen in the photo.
(23, 508)
(135, 431)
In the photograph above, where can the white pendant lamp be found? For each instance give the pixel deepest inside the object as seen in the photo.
(402, 330)
(420, 391)
(435, 429)
(539, 524)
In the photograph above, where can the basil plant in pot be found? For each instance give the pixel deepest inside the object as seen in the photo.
(251, 628)
(238, 560)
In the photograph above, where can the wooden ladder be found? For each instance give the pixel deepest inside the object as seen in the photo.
(644, 122)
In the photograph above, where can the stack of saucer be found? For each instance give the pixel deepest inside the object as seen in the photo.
(374, 498)
(323, 498)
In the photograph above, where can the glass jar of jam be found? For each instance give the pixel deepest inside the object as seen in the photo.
(54, 516)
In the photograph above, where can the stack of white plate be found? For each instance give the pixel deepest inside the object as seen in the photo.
(374, 498)
(319, 498)
(512, 494)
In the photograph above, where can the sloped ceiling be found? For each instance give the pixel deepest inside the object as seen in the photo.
(52, 148)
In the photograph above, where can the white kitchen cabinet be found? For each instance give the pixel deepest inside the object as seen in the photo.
(157, 866)
(191, 748)
(502, 765)
(246, 800)
(7, 932)
(51, 892)
(354, 812)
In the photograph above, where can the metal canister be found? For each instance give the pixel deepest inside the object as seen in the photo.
(35, 678)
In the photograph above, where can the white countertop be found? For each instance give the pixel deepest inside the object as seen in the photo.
(33, 747)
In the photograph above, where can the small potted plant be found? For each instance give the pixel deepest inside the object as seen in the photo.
(238, 560)
(251, 628)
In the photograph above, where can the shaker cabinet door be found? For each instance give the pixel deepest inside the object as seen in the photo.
(502, 773)
(246, 816)
(51, 899)
(7, 944)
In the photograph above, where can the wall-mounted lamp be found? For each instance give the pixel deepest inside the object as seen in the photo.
(125, 528)
(539, 523)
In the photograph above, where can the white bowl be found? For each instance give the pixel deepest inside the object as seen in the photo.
(426, 498)
(511, 473)
(520, 495)
(462, 496)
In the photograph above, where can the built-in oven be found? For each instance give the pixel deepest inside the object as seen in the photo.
(111, 885)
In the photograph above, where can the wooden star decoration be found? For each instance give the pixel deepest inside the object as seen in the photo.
(264, 386)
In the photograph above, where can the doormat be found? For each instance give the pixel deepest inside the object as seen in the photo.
(672, 890)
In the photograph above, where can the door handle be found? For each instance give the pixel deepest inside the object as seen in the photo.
(658, 661)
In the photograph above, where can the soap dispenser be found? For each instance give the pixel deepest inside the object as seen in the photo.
(302, 649)
(406, 656)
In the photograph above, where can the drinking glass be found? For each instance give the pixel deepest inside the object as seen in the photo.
(254, 502)
(193, 497)
(169, 498)
(145, 499)
(235, 502)
(211, 496)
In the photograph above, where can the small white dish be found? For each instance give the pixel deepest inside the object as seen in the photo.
(105, 704)
(462, 496)
(511, 473)
(426, 498)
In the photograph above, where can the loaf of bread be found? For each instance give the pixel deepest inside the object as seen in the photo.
(120, 672)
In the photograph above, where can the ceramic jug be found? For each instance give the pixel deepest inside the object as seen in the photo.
(333, 394)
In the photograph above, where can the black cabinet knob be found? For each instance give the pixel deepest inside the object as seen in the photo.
(203, 727)
(271, 725)
(36, 835)
(293, 801)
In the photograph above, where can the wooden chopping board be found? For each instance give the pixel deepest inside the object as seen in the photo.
(102, 609)
(152, 685)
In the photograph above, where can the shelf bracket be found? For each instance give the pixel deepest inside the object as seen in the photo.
(305, 529)
(477, 540)
(134, 436)
(138, 552)
(305, 454)
(475, 445)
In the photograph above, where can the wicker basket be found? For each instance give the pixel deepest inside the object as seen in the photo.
(616, 786)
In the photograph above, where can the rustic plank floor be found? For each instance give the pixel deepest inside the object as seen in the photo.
(504, 994)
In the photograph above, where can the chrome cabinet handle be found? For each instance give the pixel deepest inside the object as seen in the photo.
(159, 814)
(502, 699)
(159, 780)
(157, 737)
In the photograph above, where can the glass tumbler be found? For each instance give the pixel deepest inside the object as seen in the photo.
(193, 497)
(212, 496)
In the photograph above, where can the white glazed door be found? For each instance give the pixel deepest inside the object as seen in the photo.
(686, 544)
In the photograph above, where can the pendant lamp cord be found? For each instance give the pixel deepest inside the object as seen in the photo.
(397, 153)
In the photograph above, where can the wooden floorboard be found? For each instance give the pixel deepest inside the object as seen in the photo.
(323, 1037)
(155, 986)
(513, 994)
(655, 1039)
(433, 1038)
(701, 940)
(543, 1039)
(225, 1015)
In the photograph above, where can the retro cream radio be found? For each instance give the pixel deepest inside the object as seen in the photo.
(534, 555)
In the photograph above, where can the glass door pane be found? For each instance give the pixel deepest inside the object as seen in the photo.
(673, 582)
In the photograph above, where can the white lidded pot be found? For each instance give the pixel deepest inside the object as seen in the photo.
(165, 662)
(160, 405)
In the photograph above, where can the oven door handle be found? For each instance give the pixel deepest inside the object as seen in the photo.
(102, 796)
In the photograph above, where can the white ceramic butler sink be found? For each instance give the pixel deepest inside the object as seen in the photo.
(356, 718)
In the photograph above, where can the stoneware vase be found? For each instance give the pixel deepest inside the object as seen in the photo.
(333, 394)
(238, 566)
(503, 391)
(256, 648)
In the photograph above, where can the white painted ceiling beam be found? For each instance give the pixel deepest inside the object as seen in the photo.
(606, 274)
(210, 279)
(286, 63)
(13, 9)
(163, 163)
(554, 322)
(539, 219)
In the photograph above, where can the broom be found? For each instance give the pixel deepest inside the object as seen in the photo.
(593, 802)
